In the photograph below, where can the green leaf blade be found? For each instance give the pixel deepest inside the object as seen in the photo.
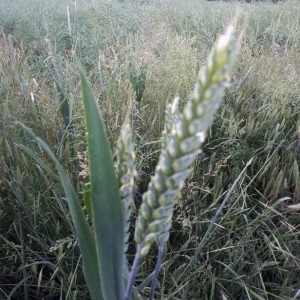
(85, 237)
(106, 205)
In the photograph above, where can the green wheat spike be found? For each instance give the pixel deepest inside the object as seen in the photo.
(184, 142)
(126, 172)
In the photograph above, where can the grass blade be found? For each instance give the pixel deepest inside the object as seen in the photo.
(83, 232)
(106, 204)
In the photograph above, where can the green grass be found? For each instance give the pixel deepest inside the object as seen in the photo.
(252, 251)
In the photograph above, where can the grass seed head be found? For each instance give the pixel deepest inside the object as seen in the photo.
(182, 138)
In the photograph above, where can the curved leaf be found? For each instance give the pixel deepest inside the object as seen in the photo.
(85, 237)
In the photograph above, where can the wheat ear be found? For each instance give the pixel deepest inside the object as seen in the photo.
(183, 143)
(126, 172)
(182, 147)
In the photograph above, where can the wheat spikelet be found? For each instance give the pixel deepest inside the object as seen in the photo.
(125, 169)
(182, 140)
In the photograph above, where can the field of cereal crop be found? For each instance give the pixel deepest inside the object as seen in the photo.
(139, 56)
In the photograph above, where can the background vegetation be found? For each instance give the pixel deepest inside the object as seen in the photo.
(253, 249)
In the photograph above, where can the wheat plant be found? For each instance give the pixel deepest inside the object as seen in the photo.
(103, 245)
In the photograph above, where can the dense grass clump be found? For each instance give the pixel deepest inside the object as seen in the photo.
(235, 232)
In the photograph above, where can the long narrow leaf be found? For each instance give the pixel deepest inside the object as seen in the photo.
(85, 237)
(106, 205)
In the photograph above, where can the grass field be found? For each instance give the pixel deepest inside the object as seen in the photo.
(152, 52)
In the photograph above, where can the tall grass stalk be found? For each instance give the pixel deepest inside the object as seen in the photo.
(102, 244)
